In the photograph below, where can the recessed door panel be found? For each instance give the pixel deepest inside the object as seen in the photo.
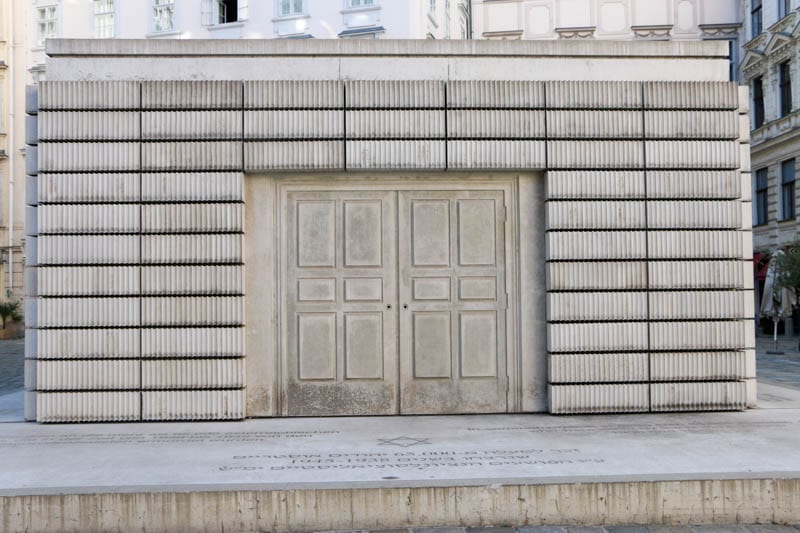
(452, 312)
(340, 321)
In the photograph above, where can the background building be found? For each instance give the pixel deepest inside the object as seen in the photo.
(13, 79)
(770, 68)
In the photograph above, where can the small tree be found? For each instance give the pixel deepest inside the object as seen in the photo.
(9, 310)
(788, 267)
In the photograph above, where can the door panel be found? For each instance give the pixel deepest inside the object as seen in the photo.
(340, 304)
(451, 251)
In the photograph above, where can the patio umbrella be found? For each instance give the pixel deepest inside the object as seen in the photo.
(776, 303)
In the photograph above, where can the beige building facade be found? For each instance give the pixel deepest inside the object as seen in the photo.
(12, 146)
(394, 227)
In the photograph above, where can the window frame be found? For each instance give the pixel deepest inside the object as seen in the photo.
(758, 102)
(40, 38)
(761, 196)
(788, 189)
(155, 5)
(756, 18)
(291, 12)
(96, 16)
(785, 88)
(362, 4)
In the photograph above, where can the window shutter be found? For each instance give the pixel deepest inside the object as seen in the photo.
(205, 12)
(243, 11)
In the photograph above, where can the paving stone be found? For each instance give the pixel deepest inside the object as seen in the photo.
(732, 528)
(771, 528)
(541, 529)
(627, 529)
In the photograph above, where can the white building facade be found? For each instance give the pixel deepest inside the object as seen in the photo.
(771, 67)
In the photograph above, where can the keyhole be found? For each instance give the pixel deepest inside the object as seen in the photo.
(389, 306)
(405, 306)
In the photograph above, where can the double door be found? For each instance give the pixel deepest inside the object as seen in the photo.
(394, 302)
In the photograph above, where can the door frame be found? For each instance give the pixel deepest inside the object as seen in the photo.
(266, 203)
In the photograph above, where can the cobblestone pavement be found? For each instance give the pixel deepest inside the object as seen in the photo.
(781, 368)
(12, 356)
(599, 529)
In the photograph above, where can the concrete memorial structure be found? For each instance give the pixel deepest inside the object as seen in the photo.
(225, 229)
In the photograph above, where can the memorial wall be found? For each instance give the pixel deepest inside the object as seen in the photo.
(221, 230)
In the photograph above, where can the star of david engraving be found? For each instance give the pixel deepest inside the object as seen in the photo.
(403, 442)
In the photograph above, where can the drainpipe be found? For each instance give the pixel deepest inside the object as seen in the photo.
(11, 146)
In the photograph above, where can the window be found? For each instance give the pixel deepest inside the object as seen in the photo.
(755, 19)
(359, 3)
(45, 24)
(290, 7)
(163, 15)
(758, 102)
(785, 83)
(104, 19)
(787, 189)
(783, 8)
(733, 59)
(432, 6)
(761, 196)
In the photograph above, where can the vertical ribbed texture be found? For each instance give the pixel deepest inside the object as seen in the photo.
(694, 214)
(594, 215)
(88, 281)
(193, 218)
(89, 126)
(193, 405)
(193, 94)
(294, 124)
(394, 93)
(87, 375)
(577, 306)
(88, 249)
(596, 276)
(695, 244)
(591, 337)
(88, 188)
(694, 184)
(499, 94)
(88, 157)
(587, 245)
(495, 124)
(193, 342)
(216, 155)
(88, 312)
(87, 406)
(691, 95)
(195, 279)
(698, 366)
(294, 155)
(683, 305)
(691, 124)
(211, 248)
(692, 154)
(87, 343)
(109, 218)
(193, 311)
(88, 95)
(595, 154)
(696, 275)
(580, 184)
(594, 95)
(285, 94)
(587, 124)
(395, 124)
(191, 125)
(722, 335)
(192, 373)
(617, 398)
(388, 155)
(598, 367)
(485, 154)
(193, 186)
(703, 396)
